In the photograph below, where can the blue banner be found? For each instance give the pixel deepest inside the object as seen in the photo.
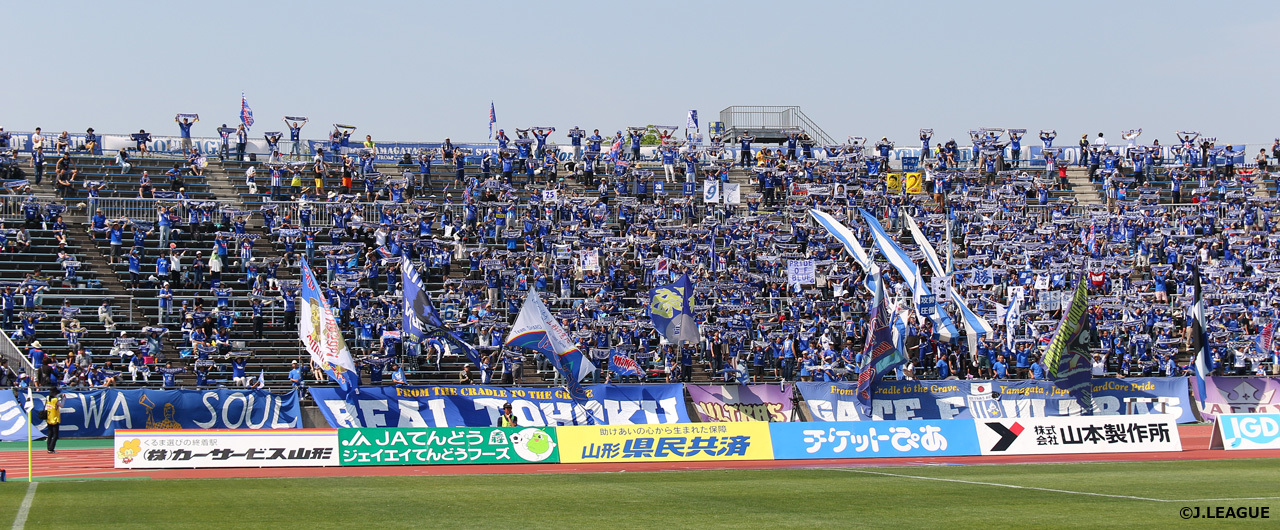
(945, 400)
(480, 406)
(13, 418)
(882, 439)
(101, 412)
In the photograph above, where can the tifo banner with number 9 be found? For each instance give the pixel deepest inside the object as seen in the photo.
(873, 439)
(450, 445)
(666, 443)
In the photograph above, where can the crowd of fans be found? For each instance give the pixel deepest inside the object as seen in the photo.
(596, 232)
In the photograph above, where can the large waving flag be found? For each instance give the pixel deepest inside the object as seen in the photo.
(536, 329)
(318, 330)
(671, 310)
(930, 256)
(1201, 362)
(942, 324)
(974, 326)
(845, 236)
(422, 321)
(246, 113)
(879, 356)
(1067, 357)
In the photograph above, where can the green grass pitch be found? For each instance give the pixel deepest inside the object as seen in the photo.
(1114, 495)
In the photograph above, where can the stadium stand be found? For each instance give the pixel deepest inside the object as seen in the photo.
(84, 265)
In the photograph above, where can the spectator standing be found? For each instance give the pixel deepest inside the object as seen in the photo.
(184, 131)
(53, 419)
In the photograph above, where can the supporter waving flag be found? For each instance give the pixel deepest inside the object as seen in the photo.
(536, 329)
(318, 330)
(422, 321)
(1067, 357)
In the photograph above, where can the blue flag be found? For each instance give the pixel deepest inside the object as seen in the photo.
(422, 321)
(623, 365)
(671, 310)
(493, 118)
(880, 356)
(246, 113)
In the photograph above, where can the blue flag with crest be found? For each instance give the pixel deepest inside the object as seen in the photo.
(671, 310)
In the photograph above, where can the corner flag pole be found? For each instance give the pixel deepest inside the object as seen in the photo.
(30, 407)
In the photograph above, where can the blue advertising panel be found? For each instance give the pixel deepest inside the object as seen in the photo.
(880, 439)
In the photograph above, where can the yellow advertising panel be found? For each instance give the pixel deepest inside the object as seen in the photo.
(912, 182)
(676, 442)
(893, 183)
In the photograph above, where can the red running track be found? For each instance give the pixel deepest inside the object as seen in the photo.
(90, 464)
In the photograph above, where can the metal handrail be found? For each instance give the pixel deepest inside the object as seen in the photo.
(141, 209)
(10, 351)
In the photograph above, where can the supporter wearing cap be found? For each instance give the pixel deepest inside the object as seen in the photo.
(507, 419)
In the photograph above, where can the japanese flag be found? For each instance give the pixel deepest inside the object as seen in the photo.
(981, 388)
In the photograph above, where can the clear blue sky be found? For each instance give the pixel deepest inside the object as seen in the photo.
(426, 70)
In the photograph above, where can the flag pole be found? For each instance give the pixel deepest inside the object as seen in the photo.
(30, 407)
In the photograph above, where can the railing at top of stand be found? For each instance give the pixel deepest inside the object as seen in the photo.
(772, 117)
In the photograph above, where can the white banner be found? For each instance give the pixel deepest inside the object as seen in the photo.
(801, 271)
(711, 191)
(733, 193)
(1080, 434)
(591, 261)
(195, 448)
